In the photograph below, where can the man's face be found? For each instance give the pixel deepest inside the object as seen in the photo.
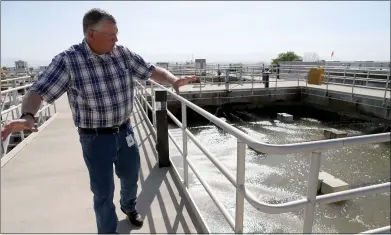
(104, 37)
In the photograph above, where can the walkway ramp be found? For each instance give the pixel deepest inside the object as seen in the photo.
(45, 186)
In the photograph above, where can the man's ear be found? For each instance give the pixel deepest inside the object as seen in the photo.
(90, 34)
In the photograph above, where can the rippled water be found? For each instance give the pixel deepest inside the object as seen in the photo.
(282, 178)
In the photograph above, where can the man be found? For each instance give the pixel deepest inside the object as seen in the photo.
(98, 76)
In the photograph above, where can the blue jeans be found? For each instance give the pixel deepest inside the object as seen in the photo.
(100, 152)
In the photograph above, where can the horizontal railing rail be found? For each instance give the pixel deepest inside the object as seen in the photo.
(11, 104)
(244, 140)
(16, 79)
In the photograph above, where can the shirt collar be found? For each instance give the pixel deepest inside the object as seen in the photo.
(90, 53)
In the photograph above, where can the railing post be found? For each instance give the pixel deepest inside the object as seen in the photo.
(306, 77)
(200, 83)
(227, 79)
(240, 178)
(184, 145)
(141, 93)
(252, 82)
(15, 101)
(344, 75)
(54, 107)
(153, 106)
(276, 79)
(312, 188)
(328, 81)
(49, 113)
(354, 81)
(386, 88)
(145, 97)
(40, 116)
(162, 146)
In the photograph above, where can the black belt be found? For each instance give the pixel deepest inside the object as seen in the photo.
(104, 130)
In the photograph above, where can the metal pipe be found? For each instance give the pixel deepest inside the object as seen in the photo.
(153, 106)
(147, 105)
(184, 145)
(240, 180)
(386, 88)
(176, 121)
(16, 89)
(273, 208)
(354, 81)
(382, 230)
(252, 83)
(312, 187)
(357, 192)
(146, 118)
(175, 142)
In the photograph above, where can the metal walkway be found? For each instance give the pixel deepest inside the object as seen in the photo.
(45, 187)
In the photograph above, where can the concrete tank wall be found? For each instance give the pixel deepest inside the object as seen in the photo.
(357, 106)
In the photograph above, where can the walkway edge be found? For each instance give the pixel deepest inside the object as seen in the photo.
(193, 210)
(190, 204)
(27, 140)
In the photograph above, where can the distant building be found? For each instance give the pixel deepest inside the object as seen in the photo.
(11, 69)
(200, 63)
(21, 67)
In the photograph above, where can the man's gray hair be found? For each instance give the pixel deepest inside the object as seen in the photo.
(94, 17)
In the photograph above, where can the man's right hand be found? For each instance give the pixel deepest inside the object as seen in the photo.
(26, 123)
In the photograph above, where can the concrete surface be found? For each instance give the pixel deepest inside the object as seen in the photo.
(333, 133)
(284, 117)
(208, 87)
(329, 184)
(45, 187)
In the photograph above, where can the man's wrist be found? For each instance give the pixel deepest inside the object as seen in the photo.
(173, 80)
(27, 115)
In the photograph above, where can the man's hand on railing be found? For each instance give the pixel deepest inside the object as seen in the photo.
(183, 81)
(26, 123)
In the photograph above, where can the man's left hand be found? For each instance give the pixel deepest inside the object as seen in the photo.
(183, 81)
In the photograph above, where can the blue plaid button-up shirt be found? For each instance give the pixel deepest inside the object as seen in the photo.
(99, 87)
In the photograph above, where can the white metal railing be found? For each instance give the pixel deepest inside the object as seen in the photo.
(15, 82)
(244, 140)
(297, 77)
(11, 104)
(354, 78)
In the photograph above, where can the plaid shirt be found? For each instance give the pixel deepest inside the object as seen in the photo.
(99, 87)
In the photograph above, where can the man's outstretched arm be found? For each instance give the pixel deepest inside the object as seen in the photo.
(51, 84)
(164, 76)
(144, 70)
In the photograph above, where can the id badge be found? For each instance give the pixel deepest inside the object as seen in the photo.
(129, 138)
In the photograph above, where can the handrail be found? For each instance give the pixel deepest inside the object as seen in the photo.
(243, 140)
(15, 79)
(280, 148)
(16, 88)
(383, 230)
(14, 109)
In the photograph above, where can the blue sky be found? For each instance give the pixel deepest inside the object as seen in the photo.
(220, 31)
